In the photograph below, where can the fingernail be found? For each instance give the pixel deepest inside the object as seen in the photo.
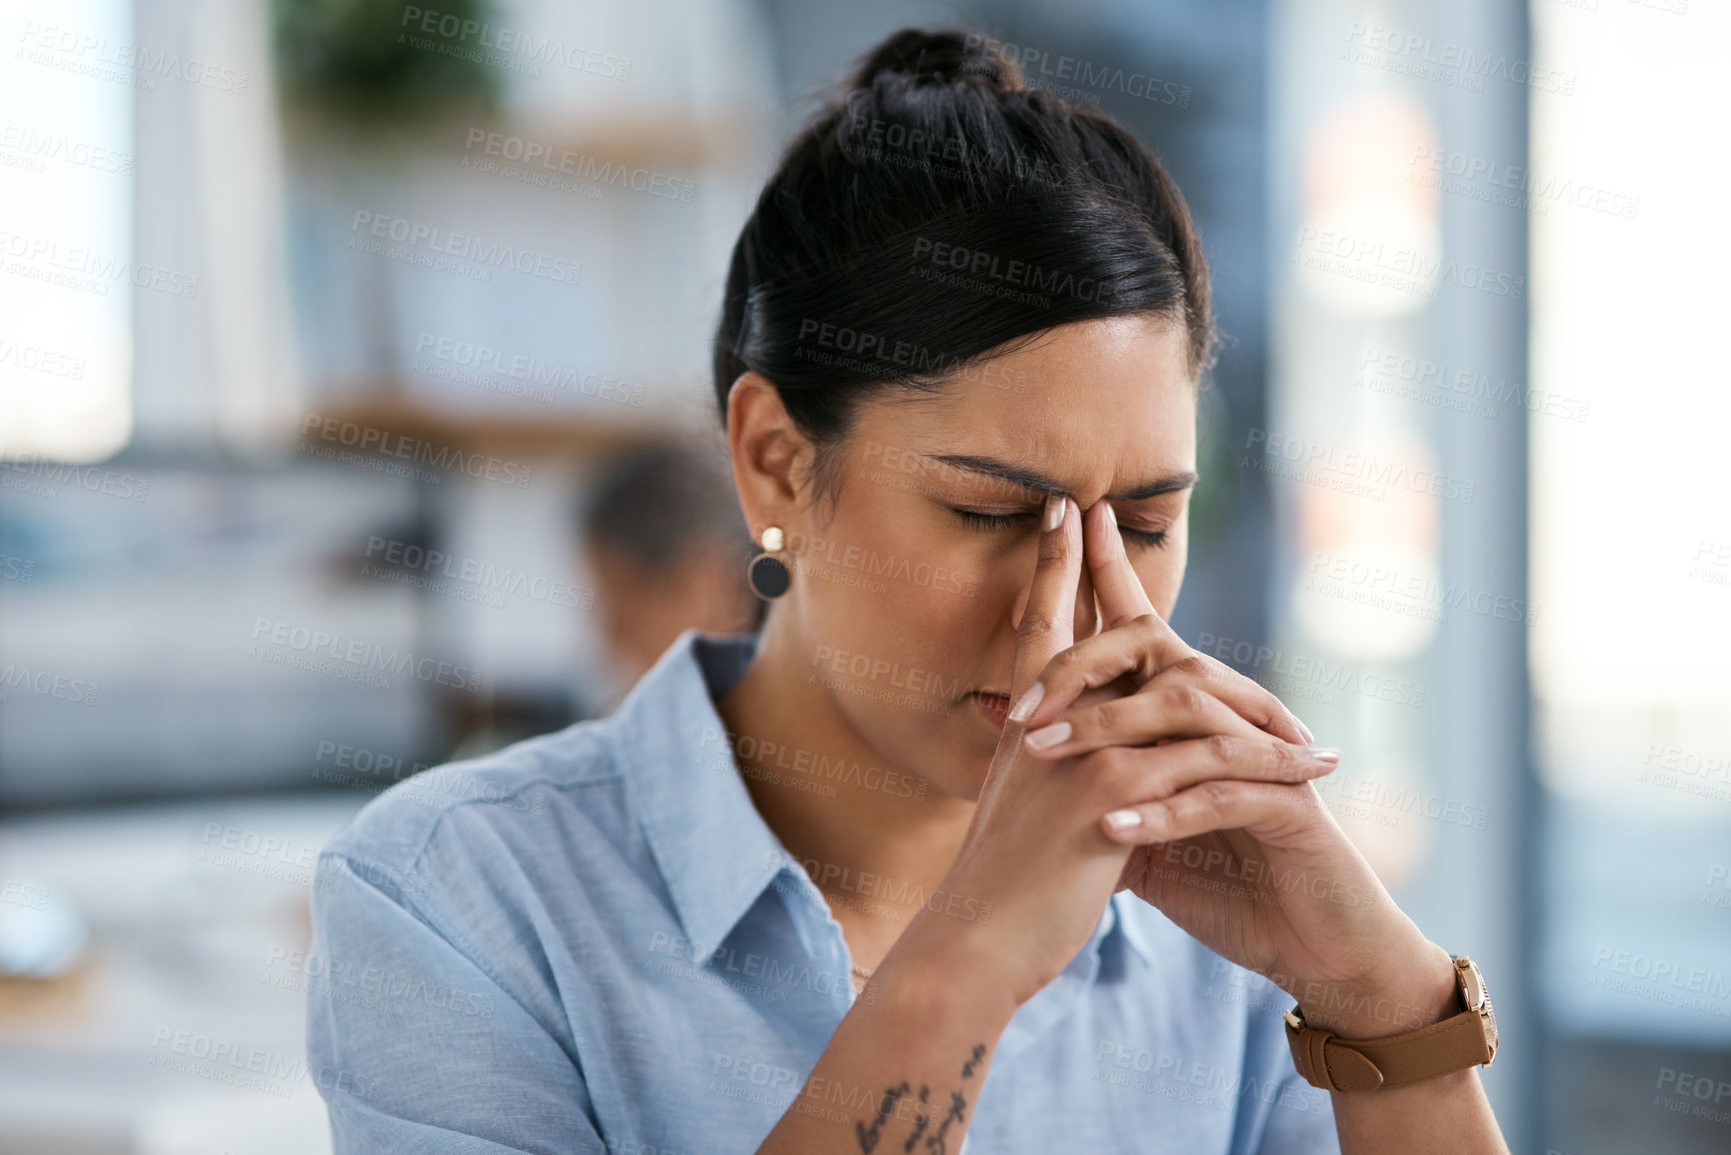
(1124, 819)
(1303, 729)
(1320, 753)
(1024, 709)
(1111, 518)
(1054, 512)
(1047, 735)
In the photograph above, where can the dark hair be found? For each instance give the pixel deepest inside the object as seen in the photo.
(654, 504)
(844, 281)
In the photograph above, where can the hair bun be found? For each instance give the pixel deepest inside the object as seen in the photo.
(941, 57)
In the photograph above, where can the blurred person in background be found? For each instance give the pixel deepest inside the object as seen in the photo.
(664, 540)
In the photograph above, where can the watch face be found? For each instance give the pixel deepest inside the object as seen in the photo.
(1490, 1015)
(1476, 995)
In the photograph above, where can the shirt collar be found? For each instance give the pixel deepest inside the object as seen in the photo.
(1128, 926)
(690, 800)
(693, 805)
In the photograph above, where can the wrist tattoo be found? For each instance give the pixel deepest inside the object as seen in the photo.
(937, 1141)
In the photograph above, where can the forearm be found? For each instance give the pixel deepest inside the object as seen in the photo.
(904, 1069)
(1444, 1115)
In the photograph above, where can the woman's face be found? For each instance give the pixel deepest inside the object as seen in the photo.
(906, 607)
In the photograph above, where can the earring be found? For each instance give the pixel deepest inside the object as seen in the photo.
(767, 574)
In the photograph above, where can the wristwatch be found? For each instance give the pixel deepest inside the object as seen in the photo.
(1464, 1040)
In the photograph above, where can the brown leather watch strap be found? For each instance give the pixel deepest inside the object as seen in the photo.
(1463, 1040)
(1327, 1060)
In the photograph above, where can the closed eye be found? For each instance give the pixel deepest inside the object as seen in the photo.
(1001, 522)
(991, 522)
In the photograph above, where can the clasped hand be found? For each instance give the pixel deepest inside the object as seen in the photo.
(1199, 784)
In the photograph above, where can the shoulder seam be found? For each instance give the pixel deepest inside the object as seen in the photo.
(455, 937)
(542, 778)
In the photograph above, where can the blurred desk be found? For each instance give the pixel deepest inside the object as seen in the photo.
(133, 1052)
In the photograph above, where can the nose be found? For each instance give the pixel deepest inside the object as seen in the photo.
(1085, 623)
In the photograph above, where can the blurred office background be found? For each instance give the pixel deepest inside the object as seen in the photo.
(338, 340)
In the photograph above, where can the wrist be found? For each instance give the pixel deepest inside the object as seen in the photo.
(959, 960)
(1417, 993)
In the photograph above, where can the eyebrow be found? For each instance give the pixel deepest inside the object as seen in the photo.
(1035, 480)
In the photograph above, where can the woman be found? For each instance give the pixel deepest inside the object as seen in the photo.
(818, 889)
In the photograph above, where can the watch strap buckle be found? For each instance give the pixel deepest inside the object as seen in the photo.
(1468, 1038)
(1336, 1067)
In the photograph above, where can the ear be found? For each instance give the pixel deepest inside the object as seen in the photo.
(770, 457)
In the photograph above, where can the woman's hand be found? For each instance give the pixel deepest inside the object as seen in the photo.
(1232, 842)
(1035, 848)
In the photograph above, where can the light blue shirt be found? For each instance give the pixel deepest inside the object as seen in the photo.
(591, 942)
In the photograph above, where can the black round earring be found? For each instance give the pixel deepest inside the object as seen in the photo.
(767, 574)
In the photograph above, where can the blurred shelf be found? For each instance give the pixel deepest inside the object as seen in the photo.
(545, 435)
(722, 140)
(713, 140)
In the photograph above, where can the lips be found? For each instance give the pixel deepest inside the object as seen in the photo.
(994, 705)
